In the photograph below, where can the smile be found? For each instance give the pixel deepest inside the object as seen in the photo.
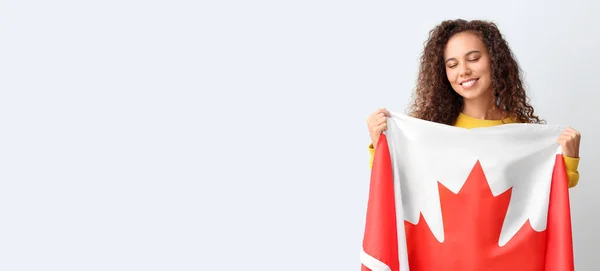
(469, 83)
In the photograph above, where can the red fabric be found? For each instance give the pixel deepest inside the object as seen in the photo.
(472, 222)
(381, 235)
(559, 254)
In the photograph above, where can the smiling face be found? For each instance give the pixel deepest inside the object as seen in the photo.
(468, 66)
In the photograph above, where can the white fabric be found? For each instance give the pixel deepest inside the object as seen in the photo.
(520, 156)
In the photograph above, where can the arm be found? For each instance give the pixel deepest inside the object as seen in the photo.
(571, 165)
(569, 141)
(377, 123)
(372, 152)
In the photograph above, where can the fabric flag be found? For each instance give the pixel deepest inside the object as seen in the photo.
(449, 198)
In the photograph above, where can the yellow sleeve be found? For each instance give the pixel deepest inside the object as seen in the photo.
(571, 165)
(372, 152)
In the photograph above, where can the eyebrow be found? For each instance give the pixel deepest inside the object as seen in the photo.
(470, 52)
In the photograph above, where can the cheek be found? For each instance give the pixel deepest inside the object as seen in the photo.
(451, 75)
(485, 71)
(484, 68)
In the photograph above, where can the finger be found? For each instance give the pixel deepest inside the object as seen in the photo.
(377, 112)
(571, 130)
(570, 135)
(387, 113)
(378, 129)
(564, 140)
(384, 111)
(565, 137)
(377, 115)
(381, 128)
(380, 120)
(371, 116)
(574, 133)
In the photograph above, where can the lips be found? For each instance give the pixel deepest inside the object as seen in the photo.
(469, 82)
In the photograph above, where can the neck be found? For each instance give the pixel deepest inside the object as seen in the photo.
(483, 109)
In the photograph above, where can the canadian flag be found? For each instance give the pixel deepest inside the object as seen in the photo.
(447, 198)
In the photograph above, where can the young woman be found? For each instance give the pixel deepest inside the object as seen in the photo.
(469, 78)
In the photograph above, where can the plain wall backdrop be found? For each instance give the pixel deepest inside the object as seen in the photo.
(231, 135)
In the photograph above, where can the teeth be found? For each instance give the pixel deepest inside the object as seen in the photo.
(469, 83)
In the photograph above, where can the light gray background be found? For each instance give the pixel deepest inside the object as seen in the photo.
(231, 135)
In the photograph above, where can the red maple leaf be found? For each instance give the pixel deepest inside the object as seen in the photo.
(472, 221)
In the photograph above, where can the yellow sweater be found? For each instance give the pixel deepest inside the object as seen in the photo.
(467, 122)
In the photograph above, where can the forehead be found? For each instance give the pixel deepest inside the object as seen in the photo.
(462, 43)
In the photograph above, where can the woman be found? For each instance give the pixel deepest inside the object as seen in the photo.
(469, 78)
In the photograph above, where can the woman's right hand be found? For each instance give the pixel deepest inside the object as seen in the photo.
(377, 123)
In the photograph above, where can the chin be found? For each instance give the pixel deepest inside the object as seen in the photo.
(471, 96)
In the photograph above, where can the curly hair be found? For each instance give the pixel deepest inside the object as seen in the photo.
(434, 98)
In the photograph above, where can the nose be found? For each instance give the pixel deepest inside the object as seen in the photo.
(465, 70)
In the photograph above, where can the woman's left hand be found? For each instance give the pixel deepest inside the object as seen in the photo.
(569, 141)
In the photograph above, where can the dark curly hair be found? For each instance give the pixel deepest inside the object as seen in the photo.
(434, 98)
